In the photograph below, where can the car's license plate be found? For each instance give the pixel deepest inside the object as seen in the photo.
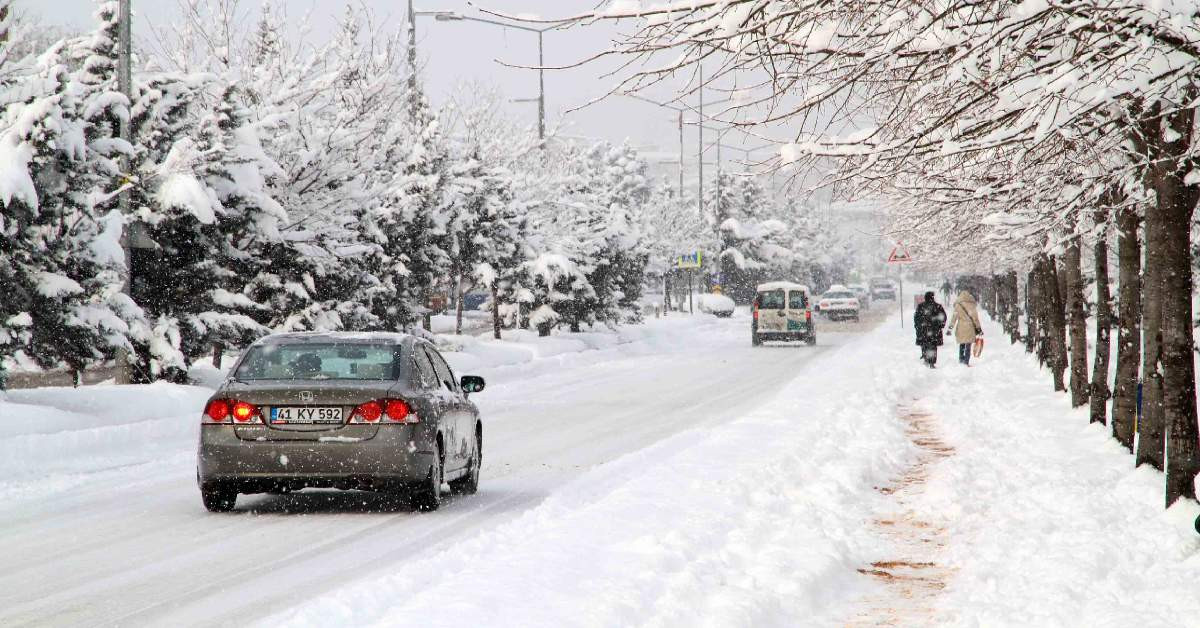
(306, 415)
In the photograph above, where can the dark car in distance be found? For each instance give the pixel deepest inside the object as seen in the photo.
(356, 411)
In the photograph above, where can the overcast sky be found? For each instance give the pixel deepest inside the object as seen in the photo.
(454, 52)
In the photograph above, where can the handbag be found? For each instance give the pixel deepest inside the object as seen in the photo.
(977, 346)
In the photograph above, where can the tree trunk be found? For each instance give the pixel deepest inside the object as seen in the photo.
(458, 306)
(1014, 311)
(1176, 203)
(1100, 392)
(1150, 421)
(218, 354)
(1129, 327)
(1031, 310)
(1077, 321)
(1055, 322)
(495, 312)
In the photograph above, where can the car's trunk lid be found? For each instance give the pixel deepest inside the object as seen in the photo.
(299, 402)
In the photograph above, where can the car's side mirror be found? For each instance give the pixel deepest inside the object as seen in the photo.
(472, 383)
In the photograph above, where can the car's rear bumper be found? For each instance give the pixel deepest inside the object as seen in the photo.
(784, 336)
(395, 456)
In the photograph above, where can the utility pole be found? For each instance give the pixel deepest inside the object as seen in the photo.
(541, 90)
(681, 154)
(719, 212)
(700, 148)
(125, 85)
(412, 48)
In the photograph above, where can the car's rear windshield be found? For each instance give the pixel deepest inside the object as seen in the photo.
(771, 300)
(320, 361)
(797, 300)
(839, 295)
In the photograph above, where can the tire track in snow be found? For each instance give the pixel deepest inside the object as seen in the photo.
(912, 578)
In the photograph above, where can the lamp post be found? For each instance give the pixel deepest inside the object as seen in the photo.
(452, 16)
(125, 86)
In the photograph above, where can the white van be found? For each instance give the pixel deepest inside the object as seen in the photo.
(783, 311)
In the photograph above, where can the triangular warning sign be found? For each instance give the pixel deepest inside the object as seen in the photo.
(899, 255)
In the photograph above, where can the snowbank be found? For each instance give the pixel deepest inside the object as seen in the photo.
(53, 438)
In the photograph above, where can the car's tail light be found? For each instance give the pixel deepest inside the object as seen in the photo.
(243, 412)
(756, 312)
(808, 315)
(217, 411)
(369, 412)
(387, 410)
(398, 411)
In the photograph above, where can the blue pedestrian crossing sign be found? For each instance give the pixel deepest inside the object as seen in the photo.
(690, 260)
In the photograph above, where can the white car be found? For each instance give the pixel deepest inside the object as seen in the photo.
(863, 294)
(716, 304)
(839, 303)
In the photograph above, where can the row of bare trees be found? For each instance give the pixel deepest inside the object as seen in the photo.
(1014, 135)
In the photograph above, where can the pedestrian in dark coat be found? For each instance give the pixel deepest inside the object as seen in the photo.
(928, 321)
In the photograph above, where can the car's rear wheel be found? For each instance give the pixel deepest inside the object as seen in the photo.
(811, 340)
(469, 483)
(429, 496)
(218, 497)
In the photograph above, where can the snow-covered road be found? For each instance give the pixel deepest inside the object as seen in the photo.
(117, 535)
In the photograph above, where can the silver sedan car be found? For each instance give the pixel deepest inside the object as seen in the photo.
(359, 411)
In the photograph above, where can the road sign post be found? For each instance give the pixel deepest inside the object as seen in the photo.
(900, 255)
(690, 261)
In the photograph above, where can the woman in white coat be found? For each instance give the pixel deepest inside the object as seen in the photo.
(964, 324)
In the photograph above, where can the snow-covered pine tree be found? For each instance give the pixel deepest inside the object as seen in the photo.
(235, 167)
(596, 223)
(485, 232)
(754, 243)
(211, 218)
(57, 255)
(336, 118)
(622, 188)
(412, 220)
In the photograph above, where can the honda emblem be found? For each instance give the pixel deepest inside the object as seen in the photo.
(306, 396)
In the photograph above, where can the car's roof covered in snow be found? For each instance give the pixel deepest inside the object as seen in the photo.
(335, 337)
(782, 285)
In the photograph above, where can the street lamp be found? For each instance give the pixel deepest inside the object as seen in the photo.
(453, 16)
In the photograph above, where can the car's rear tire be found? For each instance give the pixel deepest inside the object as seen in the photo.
(428, 497)
(218, 497)
(469, 483)
(755, 340)
(811, 340)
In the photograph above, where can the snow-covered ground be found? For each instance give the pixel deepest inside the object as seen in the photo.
(664, 475)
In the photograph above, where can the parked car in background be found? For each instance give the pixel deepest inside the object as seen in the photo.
(839, 303)
(883, 289)
(366, 411)
(782, 311)
(716, 304)
(474, 300)
(862, 293)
